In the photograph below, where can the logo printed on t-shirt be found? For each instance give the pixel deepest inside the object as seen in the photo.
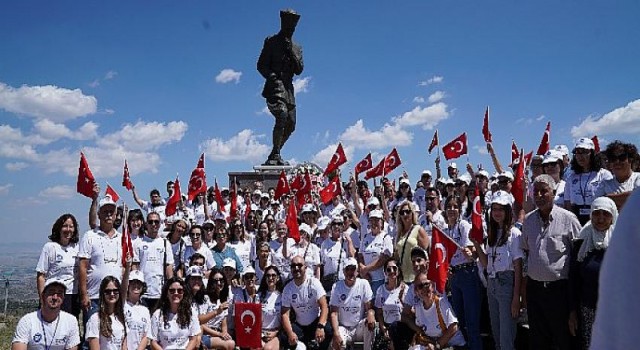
(58, 258)
(37, 337)
(343, 297)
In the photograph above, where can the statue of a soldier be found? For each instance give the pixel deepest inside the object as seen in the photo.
(279, 61)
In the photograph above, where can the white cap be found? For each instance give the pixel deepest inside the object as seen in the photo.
(551, 156)
(350, 262)
(502, 198)
(323, 222)
(254, 207)
(563, 149)
(106, 200)
(506, 174)
(54, 280)
(274, 202)
(257, 193)
(466, 178)
(442, 180)
(337, 210)
(248, 270)
(585, 143)
(306, 228)
(228, 262)
(264, 195)
(453, 165)
(376, 213)
(337, 218)
(308, 208)
(449, 182)
(207, 222)
(194, 271)
(483, 173)
(426, 172)
(136, 275)
(404, 181)
(220, 215)
(224, 189)
(373, 201)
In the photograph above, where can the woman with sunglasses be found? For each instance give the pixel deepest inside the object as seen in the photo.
(270, 293)
(408, 235)
(334, 252)
(197, 247)
(503, 263)
(404, 194)
(376, 247)
(553, 165)
(175, 325)
(106, 328)
(388, 306)
(622, 159)
(464, 279)
(216, 317)
(241, 243)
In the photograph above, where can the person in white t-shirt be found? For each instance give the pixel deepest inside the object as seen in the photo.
(49, 327)
(106, 328)
(388, 306)
(240, 241)
(621, 157)
(352, 314)
(197, 246)
(214, 321)
(156, 205)
(308, 250)
(334, 252)
(306, 297)
(280, 247)
(100, 255)
(59, 260)
(376, 247)
(153, 258)
(270, 295)
(137, 317)
(435, 317)
(175, 325)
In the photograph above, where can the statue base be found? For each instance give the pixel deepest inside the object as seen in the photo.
(267, 174)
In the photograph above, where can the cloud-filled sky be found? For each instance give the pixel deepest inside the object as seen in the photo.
(160, 84)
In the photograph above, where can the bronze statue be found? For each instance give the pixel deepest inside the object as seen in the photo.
(279, 61)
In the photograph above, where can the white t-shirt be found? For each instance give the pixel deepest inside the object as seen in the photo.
(169, 334)
(207, 307)
(209, 262)
(271, 307)
(138, 323)
(460, 234)
(311, 258)
(350, 301)
(105, 258)
(501, 258)
(178, 249)
(428, 321)
(61, 334)
(61, 263)
(279, 260)
(304, 299)
(372, 247)
(150, 254)
(390, 303)
(579, 188)
(436, 218)
(117, 332)
(559, 197)
(612, 186)
(411, 299)
(243, 251)
(148, 208)
(330, 254)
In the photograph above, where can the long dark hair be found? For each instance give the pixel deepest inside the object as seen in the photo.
(184, 308)
(492, 229)
(198, 296)
(136, 214)
(214, 296)
(118, 311)
(57, 227)
(399, 276)
(595, 163)
(264, 288)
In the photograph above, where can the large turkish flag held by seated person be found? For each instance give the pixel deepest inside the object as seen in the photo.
(248, 322)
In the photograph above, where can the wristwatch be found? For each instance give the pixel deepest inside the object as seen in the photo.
(320, 325)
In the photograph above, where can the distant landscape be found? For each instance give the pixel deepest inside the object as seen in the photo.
(17, 265)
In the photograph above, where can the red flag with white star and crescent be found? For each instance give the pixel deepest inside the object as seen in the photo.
(248, 322)
(336, 161)
(86, 181)
(126, 179)
(456, 147)
(442, 250)
(365, 164)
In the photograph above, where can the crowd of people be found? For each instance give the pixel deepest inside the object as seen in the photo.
(357, 274)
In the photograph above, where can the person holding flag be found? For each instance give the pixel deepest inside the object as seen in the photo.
(502, 258)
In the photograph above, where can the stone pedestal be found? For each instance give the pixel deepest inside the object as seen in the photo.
(267, 174)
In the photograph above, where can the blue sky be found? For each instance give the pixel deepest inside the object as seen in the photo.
(160, 83)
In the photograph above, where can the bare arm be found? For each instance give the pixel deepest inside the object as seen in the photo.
(136, 198)
(40, 279)
(423, 238)
(85, 302)
(448, 334)
(93, 209)
(324, 310)
(193, 343)
(155, 345)
(517, 285)
(494, 159)
(482, 256)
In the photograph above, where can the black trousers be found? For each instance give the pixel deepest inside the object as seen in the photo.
(548, 311)
(307, 335)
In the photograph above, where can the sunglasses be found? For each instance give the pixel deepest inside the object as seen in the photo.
(392, 269)
(195, 235)
(111, 292)
(618, 158)
(176, 290)
(422, 286)
(405, 212)
(218, 280)
(207, 228)
(350, 268)
(153, 222)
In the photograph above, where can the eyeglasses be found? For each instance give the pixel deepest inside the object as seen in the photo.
(218, 280)
(405, 212)
(207, 228)
(111, 292)
(297, 266)
(221, 235)
(392, 269)
(195, 235)
(271, 275)
(430, 198)
(422, 286)
(619, 158)
(153, 222)
(176, 290)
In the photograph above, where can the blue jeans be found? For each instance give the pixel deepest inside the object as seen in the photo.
(500, 295)
(466, 303)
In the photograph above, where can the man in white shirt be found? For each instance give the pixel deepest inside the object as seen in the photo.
(152, 255)
(352, 315)
(156, 204)
(307, 298)
(49, 327)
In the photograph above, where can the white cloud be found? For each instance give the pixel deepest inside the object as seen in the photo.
(243, 146)
(110, 75)
(301, 85)
(28, 202)
(436, 79)
(418, 99)
(228, 75)
(51, 131)
(58, 192)
(436, 96)
(428, 116)
(109, 111)
(389, 135)
(49, 101)
(4, 189)
(144, 136)
(623, 120)
(323, 157)
(540, 118)
(13, 144)
(481, 149)
(264, 110)
(95, 83)
(16, 166)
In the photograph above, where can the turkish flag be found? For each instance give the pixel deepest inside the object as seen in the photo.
(364, 165)
(434, 142)
(527, 158)
(292, 222)
(477, 233)
(544, 143)
(514, 152)
(296, 183)
(456, 147)
(391, 161)
(126, 179)
(248, 322)
(201, 161)
(233, 210)
(305, 184)
(282, 187)
(333, 188)
(86, 180)
(518, 188)
(109, 191)
(172, 203)
(197, 183)
(336, 161)
(442, 250)
(596, 143)
(218, 196)
(485, 127)
(376, 171)
(127, 245)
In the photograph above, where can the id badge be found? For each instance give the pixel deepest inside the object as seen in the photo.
(585, 211)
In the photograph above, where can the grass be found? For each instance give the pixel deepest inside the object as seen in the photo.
(6, 332)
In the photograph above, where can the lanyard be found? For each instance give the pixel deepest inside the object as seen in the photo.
(44, 332)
